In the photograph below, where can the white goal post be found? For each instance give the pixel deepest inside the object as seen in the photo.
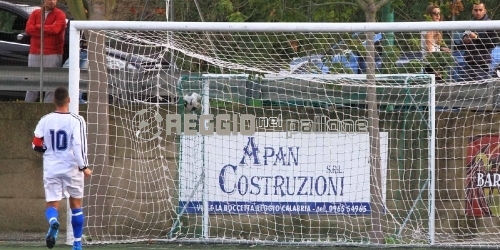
(380, 174)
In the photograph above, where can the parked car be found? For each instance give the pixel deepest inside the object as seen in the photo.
(353, 61)
(313, 64)
(14, 47)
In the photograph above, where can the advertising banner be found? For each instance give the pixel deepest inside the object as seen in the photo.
(482, 176)
(323, 173)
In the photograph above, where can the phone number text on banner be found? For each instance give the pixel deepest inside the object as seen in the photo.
(216, 207)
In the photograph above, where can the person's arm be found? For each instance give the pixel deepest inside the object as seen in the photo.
(31, 29)
(445, 49)
(428, 41)
(58, 26)
(37, 143)
(442, 45)
(80, 144)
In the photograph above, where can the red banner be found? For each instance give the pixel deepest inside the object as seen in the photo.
(482, 176)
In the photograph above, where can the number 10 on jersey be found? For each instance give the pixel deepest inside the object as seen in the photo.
(59, 140)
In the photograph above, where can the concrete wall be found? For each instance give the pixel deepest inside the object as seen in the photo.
(21, 194)
(140, 193)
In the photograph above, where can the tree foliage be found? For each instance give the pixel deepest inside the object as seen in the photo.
(318, 10)
(293, 11)
(278, 10)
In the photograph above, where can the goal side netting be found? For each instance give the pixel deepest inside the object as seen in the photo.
(280, 133)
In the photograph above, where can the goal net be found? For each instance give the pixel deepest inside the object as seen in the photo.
(288, 133)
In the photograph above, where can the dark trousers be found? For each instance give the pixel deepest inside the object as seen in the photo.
(477, 72)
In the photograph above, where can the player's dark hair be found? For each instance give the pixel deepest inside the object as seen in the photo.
(61, 94)
(479, 3)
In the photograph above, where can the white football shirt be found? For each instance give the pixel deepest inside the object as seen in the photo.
(65, 137)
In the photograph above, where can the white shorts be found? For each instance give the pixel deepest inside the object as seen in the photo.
(57, 185)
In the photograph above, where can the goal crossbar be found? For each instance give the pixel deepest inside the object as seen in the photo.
(281, 27)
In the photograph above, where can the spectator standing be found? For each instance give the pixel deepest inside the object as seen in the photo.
(53, 42)
(478, 46)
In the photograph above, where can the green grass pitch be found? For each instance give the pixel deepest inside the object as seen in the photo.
(9, 245)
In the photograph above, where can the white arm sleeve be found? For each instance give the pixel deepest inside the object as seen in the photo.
(39, 129)
(80, 143)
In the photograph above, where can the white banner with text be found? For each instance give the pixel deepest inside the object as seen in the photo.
(323, 173)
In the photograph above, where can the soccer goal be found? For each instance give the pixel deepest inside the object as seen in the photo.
(287, 133)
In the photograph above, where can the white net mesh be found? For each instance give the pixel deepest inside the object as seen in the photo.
(337, 157)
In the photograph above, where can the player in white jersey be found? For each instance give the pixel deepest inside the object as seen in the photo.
(62, 138)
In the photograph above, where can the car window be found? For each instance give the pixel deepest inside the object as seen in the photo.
(11, 23)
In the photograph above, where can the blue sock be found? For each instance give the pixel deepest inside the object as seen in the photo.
(51, 214)
(77, 223)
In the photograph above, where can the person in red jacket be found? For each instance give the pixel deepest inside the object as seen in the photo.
(53, 42)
